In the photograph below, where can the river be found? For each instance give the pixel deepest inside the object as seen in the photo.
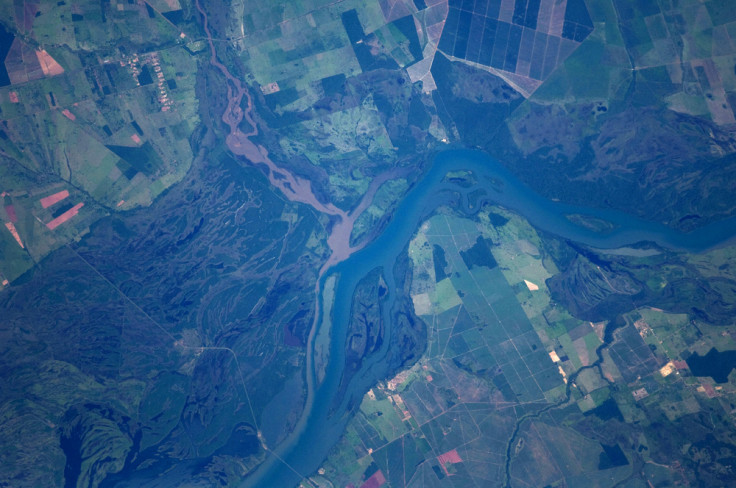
(318, 431)
(325, 416)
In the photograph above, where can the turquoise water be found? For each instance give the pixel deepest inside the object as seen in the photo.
(307, 447)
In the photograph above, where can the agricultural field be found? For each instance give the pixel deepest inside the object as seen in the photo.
(522, 42)
(334, 84)
(449, 415)
(98, 103)
(569, 135)
(159, 289)
(514, 388)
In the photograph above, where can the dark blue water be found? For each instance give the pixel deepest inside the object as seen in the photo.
(716, 364)
(305, 450)
(72, 447)
(6, 42)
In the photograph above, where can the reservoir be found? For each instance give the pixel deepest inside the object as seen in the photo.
(324, 420)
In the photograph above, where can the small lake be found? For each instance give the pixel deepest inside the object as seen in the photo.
(716, 364)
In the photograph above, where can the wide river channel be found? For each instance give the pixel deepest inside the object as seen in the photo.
(325, 417)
